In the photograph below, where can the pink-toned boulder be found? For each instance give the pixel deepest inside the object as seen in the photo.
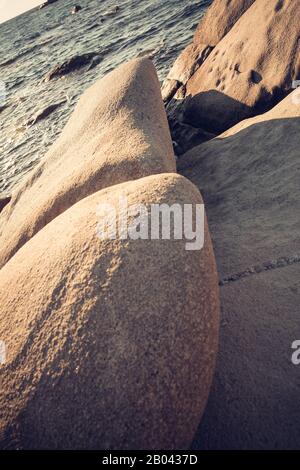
(253, 61)
(118, 132)
(219, 19)
(249, 70)
(111, 344)
(215, 24)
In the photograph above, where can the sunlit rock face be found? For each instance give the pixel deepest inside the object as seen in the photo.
(118, 132)
(111, 344)
(237, 79)
(249, 179)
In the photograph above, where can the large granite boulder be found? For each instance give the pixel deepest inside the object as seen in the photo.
(118, 132)
(249, 178)
(219, 19)
(111, 344)
(250, 70)
(215, 24)
(242, 62)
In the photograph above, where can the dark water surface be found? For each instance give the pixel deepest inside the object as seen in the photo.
(33, 43)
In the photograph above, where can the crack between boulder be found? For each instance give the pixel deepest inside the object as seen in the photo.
(267, 266)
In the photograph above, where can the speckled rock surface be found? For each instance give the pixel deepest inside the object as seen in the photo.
(111, 344)
(118, 132)
(255, 378)
(215, 24)
(253, 59)
(219, 19)
(250, 70)
(184, 67)
(249, 179)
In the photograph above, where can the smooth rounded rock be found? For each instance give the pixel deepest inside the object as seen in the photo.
(118, 132)
(111, 344)
(247, 73)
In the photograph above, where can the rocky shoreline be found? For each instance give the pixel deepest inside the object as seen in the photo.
(112, 344)
(240, 64)
(108, 346)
